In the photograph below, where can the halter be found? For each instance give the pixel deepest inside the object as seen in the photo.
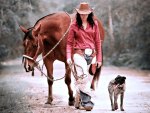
(37, 62)
(28, 57)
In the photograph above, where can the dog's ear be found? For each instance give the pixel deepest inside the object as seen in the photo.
(117, 77)
(124, 78)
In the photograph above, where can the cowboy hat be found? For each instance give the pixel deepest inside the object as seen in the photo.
(84, 8)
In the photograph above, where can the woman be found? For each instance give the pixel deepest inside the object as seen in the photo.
(84, 44)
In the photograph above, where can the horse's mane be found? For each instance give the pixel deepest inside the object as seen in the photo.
(43, 18)
(30, 29)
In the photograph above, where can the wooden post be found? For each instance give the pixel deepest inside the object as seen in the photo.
(111, 32)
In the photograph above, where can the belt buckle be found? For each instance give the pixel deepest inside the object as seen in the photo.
(88, 51)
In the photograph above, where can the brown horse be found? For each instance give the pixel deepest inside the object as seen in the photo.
(41, 38)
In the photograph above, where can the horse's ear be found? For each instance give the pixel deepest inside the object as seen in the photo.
(37, 29)
(23, 29)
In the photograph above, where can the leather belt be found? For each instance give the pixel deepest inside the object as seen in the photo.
(82, 51)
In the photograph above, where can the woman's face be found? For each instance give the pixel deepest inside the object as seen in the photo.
(84, 17)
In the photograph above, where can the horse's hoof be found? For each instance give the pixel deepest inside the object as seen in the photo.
(71, 102)
(48, 102)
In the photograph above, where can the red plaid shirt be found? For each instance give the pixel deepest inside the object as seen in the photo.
(79, 38)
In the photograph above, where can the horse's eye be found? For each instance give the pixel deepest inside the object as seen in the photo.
(35, 45)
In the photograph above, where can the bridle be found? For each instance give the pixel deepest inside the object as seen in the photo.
(37, 62)
(28, 57)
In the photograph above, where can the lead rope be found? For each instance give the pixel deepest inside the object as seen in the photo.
(37, 62)
(72, 66)
(42, 73)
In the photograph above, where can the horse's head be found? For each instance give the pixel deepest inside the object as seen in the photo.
(30, 44)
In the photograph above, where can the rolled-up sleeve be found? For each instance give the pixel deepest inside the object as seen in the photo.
(70, 42)
(98, 45)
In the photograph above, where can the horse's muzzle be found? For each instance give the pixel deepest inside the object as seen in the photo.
(28, 65)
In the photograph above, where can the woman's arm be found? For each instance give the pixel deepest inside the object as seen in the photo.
(70, 41)
(98, 43)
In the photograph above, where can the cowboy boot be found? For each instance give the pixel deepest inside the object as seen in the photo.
(77, 100)
(86, 102)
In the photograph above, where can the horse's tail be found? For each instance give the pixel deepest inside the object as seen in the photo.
(96, 78)
(98, 71)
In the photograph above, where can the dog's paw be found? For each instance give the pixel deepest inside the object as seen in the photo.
(113, 109)
(122, 109)
(116, 107)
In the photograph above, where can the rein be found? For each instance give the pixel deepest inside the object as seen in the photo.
(37, 62)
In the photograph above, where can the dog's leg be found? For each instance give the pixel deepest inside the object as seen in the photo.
(121, 101)
(111, 98)
(115, 100)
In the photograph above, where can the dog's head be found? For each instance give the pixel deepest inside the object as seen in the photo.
(120, 80)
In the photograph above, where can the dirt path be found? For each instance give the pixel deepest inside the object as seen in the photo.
(22, 93)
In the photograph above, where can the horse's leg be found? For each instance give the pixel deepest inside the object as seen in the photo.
(49, 67)
(68, 83)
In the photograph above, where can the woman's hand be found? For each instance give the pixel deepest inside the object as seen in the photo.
(99, 64)
(69, 61)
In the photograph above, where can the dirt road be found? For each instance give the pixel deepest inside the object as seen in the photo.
(22, 93)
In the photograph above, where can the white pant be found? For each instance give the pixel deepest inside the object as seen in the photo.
(82, 68)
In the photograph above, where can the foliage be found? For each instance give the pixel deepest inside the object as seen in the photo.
(130, 45)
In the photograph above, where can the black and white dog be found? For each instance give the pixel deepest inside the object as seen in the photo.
(116, 87)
